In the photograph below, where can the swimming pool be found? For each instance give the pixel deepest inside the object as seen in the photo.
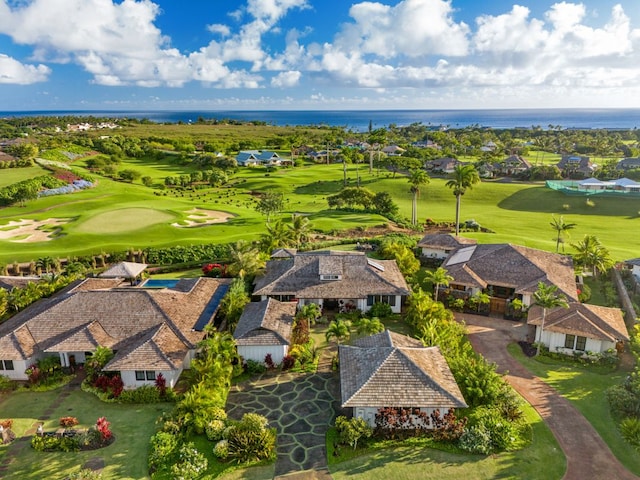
(160, 283)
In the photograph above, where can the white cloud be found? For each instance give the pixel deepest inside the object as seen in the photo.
(286, 79)
(12, 71)
(220, 29)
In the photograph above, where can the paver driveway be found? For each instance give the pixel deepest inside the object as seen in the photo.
(588, 457)
(301, 407)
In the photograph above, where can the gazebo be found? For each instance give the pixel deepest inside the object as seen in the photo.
(128, 270)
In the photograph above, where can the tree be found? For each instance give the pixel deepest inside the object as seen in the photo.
(338, 329)
(352, 430)
(593, 255)
(270, 203)
(547, 297)
(417, 178)
(561, 228)
(246, 260)
(369, 326)
(299, 229)
(404, 257)
(234, 302)
(384, 205)
(464, 177)
(438, 277)
(278, 235)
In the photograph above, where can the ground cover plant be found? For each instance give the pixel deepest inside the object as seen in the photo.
(586, 389)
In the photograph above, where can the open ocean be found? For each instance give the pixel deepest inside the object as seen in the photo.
(358, 120)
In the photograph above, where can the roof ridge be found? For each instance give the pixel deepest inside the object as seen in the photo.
(373, 373)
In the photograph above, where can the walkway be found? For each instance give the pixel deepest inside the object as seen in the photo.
(587, 454)
(301, 407)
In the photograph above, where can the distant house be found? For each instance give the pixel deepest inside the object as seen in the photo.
(324, 156)
(507, 272)
(439, 245)
(254, 158)
(576, 166)
(265, 329)
(393, 150)
(334, 280)
(392, 370)
(150, 330)
(579, 328)
(634, 266)
(442, 165)
(512, 165)
(628, 164)
(9, 282)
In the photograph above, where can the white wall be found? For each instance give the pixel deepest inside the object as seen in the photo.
(257, 353)
(129, 378)
(19, 366)
(555, 342)
(434, 253)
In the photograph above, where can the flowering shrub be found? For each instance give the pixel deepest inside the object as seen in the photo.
(103, 427)
(69, 188)
(33, 372)
(214, 270)
(191, 463)
(221, 450)
(6, 424)
(161, 384)
(111, 385)
(68, 422)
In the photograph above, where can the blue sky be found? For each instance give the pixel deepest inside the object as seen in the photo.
(318, 54)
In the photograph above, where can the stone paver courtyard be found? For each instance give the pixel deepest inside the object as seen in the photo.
(301, 407)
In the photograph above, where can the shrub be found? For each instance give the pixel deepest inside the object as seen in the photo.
(68, 422)
(255, 368)
(380, 310)
(503, 433)
(143, 394)
(6, 424)
(69, 443)
(6, 384)
(164, 446)
(352, 430)
(102, 425)
(214, 430)
(475, 439)
(85, 474)
(623, 402)
(288, 362)
(268, 361)
(630, 429)
(221, 450)
(190, 463)
(250, 439)
(584, 293)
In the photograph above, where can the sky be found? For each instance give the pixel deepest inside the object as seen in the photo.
(318, 54)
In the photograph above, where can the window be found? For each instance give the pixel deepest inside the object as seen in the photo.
(151, 375)
(6, 365)
(581, 343)
(569, 341)
(388, 299)
(139, 375)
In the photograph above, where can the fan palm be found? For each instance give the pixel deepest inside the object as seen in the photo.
(547, 297)
(561, 228)
(464, 177)
(438, 277)
(417, 178)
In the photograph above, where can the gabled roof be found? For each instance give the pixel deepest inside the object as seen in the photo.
(124, 270)
(513, 266)
(9, 282)
(267, 322)
(284, 253)
(444, 240)
(88, 314)
(592, 321)
(388, 369)
(360, 277)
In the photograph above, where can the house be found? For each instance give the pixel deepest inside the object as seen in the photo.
(512, 165)
(254, 158)
(442, 165)
(333, 279)
(634, 266)
(576, 166)
(150, 330)
(264, 329)
(9, 282)
(628, 163)
(579, 328)
(393, 150)
(507, 272)
(439, 245)
(393, 370)
(324, 156)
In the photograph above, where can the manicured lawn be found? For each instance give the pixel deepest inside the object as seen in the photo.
(125, 458)
(542, 459)
(14, 175)
(586, 390)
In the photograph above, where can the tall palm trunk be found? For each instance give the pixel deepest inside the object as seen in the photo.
(414, 210)
(458, 214)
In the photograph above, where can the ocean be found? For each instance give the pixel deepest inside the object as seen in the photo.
(359, 120)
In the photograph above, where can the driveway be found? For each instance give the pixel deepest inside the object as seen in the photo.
(587, 454)
(301, 407)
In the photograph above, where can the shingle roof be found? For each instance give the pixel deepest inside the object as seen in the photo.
(300, 276)
(124, 270)
(267, 322)
(592, 321)
(512, 266)
(9, 282)
(79, 317)
(390, 371)
(444, 240)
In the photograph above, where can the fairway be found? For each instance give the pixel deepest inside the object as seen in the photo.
(125, 220)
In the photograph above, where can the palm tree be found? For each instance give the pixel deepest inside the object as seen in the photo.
(417, 178)
(464, 177)
(561, 228)
(438, 277)
(547, 297)
(246, 260)
(338, 329)
(299, 229)
(592, 255)
(369, 326)
(276, 236)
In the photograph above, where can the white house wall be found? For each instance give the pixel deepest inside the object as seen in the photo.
(130, 382)
(257, 353)
(434, 253)
(19, 366)
(555, 342)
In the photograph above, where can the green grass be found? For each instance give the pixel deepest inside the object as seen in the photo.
(9, 176)
(106, 218)
(585, 389)
(542, 459)
(125, 458)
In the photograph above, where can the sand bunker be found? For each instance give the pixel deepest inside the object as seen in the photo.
(28, 231)
(199, 217)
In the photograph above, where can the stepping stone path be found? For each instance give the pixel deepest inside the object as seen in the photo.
(301, 407)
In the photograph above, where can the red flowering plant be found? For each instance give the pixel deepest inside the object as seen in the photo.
(102, 425)
(161, 385)
(33, 372)
(215, 270)
(68, 422)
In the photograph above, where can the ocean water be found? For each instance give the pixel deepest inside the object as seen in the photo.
(359, 120)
